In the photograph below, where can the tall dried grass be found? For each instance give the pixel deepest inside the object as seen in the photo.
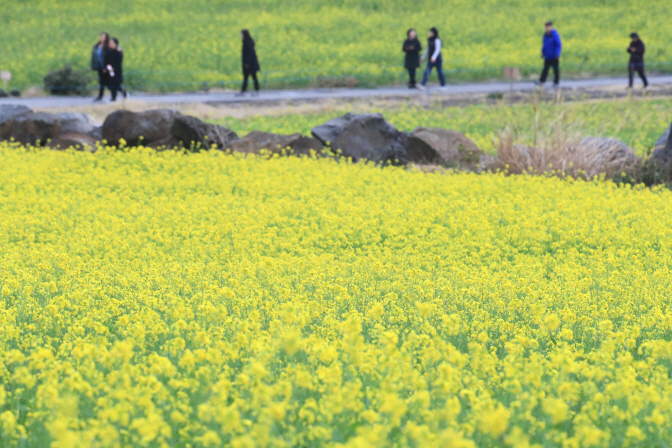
(560, 149)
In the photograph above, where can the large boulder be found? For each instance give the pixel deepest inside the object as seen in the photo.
(80, 142)
(142, 128)
(442, 147)
(603, 155)
(363, 137)
(257, 141)
(10, 111)
(663, 149)
(72, 123)
(28, 127)
(31, 128)
(195, 134)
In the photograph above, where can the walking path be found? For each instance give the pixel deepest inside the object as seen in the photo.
(316, 94)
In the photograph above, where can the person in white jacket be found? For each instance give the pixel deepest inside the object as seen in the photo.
(435, 60)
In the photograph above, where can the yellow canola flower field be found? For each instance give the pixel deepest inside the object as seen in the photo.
(169, 300)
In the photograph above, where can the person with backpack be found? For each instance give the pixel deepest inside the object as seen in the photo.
(250, 62)
(114, 59)
(550, 52)
(636, 50)
(98, 62)
(435, 58)
(412, 48)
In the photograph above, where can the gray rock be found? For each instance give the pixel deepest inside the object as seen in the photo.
(603, 155)
(167, 143)
(9, 111)
(306, 146)
(663, 149)
(443, 147)
(137, 129)
(363, 137)
(15, 93)
(257, 141)
(488, 162)
(72, 123)
(32, 128)
(195, 134)
(80, 142)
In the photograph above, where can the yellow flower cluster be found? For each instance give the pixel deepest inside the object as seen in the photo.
(160, 300)
(176, 45)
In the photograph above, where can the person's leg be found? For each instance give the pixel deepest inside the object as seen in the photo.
(256, 81)
(412, 80)
(246, 75)
(556, 71)
(101, 86)
(544, 72)
(631, 75)
(642, 75)
(428, 71)
(439, 71)
(113, 91)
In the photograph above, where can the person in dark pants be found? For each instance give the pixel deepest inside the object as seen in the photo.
(435, 58)
(636, 50)
(98, 62)
(550, 51)
(250, 62)
(114, 59)
(412, 48)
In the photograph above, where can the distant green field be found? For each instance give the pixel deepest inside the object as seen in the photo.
(181, 44)
(637, 123)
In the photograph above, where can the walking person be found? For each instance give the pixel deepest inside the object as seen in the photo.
(435, 60)
(98, 62)
(412, 48)
(550, 51)
(250, 62)
(636, 50)
(114, 59)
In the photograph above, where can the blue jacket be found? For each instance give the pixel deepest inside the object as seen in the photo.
(552, 45)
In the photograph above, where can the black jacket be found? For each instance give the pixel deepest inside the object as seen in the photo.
(412, 49)
(637, 50)
(115, 58)
(250, 61)
(95, 64)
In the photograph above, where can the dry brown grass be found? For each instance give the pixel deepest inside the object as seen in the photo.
(560, 149)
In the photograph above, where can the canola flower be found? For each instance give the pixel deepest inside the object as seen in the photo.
(174, 45)
(162, 300)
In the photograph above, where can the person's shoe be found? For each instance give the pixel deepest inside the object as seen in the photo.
(255, 93)
(538, 83)
(125, 93)
(239, 94)
(420, 87)
(556, 86)
(97, 100)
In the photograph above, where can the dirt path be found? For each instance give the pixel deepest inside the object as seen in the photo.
(214, 105)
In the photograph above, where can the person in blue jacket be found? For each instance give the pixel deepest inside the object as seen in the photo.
(550, 51)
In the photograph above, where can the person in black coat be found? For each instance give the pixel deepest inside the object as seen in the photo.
(250, 62)
(114, 59)
(412, 48)
(636, 50)
(98, 62)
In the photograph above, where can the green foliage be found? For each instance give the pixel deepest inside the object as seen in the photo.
(67, 81)
(177, 45)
